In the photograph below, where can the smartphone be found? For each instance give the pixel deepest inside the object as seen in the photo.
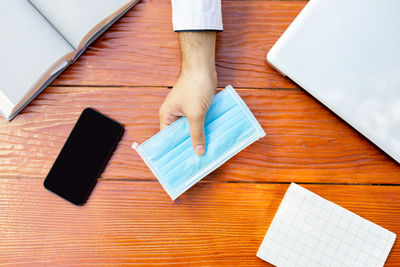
(83, 156)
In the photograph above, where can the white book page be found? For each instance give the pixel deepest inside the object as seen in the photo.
(74, 19)
(29, 46)
(309, 230)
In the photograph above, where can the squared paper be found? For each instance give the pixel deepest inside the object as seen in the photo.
(309, 230)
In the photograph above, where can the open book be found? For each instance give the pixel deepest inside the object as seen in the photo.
(40, 38)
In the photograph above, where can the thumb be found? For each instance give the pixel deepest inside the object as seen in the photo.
(197, 134)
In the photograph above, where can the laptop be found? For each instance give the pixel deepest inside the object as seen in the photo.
(346, 53)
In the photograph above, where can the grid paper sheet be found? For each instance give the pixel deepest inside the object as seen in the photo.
(309, 230)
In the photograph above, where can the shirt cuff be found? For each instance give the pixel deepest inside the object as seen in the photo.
(197, 15)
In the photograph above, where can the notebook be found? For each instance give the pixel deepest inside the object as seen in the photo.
(40, 38)
(309, 230)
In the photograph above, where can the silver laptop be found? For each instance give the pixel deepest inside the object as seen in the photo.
(346, 53)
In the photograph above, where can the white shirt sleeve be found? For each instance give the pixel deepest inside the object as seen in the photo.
(192, 15)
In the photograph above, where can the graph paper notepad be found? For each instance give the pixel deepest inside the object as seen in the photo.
(309, 230)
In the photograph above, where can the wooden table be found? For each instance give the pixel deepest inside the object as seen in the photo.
(129, 218)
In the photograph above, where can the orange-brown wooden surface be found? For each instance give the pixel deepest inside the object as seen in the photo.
(135, 222)
(142, 46)
(304, 143)
(223, 219)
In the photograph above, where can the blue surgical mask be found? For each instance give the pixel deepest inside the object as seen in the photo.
(229, 127)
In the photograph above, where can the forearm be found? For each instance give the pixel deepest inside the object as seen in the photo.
(196, 21)
(198, 52)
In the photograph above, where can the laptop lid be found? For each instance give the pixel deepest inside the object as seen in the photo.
(346, 53)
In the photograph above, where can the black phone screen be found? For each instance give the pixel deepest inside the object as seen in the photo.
(83, 156)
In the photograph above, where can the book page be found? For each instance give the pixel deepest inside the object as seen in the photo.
(309, 230)
(29, 47)
(74, 19)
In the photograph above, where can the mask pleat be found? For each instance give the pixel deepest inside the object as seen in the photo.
(191, 163)
(181, 150)
(163, 151)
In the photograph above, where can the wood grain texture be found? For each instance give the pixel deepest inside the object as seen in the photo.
(304, 142)
(129, 219)
(142, 49)
(136, 222)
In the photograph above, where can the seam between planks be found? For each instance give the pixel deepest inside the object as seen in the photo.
(167, 87)
(214, 182)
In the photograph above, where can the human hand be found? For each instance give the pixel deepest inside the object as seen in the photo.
(191, 97)
(193, 92)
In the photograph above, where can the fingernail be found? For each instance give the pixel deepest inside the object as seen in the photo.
(199, 150)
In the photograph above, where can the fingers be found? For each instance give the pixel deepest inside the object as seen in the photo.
(168, 115)
(196, 122)
(163, 119)
(197, 134)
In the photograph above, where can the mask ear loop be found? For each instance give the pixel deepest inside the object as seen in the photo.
(134, 145)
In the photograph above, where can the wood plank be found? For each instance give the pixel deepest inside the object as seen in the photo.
(142, 49)
(136, 222)
(305, 142)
